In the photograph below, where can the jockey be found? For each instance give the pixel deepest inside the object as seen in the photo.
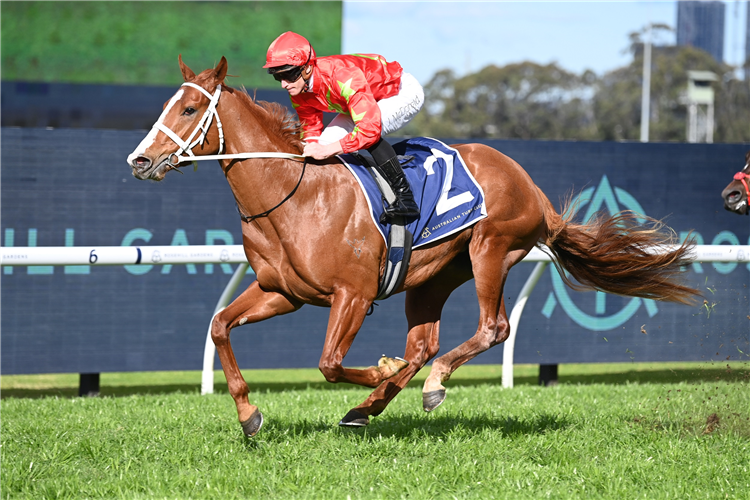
(372, 96)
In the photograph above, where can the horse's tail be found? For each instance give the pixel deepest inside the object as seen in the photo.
(617, 255)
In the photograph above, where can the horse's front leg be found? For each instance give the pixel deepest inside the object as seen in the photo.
(348, 311)
(251, 306)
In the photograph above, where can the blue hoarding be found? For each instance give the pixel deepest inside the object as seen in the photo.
(66, 187)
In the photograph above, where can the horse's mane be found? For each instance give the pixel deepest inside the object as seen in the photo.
(276, 118)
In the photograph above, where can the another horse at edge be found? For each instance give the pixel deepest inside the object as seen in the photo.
(736, 194)
(300, 254)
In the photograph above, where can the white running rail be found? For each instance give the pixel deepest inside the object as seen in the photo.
(234, 254)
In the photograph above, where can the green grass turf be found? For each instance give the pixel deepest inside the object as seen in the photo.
(643, 434)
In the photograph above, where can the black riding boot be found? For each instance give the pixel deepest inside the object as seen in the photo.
(389, 167)
(404, 204)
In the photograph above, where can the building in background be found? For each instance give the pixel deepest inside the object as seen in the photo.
(701, 24)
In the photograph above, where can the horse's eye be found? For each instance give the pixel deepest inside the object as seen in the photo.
(188, 111)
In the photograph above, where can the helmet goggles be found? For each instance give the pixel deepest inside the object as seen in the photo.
(289, 73)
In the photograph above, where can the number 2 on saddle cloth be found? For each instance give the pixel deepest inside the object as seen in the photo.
(449, 197)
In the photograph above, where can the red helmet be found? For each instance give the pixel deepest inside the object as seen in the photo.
(289, 49)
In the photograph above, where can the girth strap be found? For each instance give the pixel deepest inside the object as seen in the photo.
(397, 264)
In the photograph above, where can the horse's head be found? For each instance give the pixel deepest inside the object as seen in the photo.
(737, 192)
(184, 126)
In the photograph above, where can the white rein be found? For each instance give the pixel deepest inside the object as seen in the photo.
(203, 126)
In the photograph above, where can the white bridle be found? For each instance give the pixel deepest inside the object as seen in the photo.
(187, 146)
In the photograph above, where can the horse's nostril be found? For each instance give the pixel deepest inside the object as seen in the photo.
(141, 162)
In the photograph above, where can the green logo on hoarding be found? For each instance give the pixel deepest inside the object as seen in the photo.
(601, 198)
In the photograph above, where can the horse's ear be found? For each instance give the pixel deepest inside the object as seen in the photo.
(221, 70)
(747, 157)
(187, 73)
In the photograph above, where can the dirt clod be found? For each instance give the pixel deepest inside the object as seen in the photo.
(712, 422)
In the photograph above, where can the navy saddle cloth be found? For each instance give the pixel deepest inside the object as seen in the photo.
(449, 197)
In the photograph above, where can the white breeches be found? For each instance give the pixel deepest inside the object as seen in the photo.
(395, 112)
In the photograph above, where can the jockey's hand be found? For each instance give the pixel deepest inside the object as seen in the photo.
(321, 152)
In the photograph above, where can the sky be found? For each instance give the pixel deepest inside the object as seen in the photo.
(427, 36)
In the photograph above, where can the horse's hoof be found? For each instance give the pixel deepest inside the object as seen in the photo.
(391, 366)
(433, 399)
(354, 419)
(252, 425)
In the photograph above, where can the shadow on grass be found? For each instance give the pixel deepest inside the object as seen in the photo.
(442, 425)
(410, 427)
(667, 376)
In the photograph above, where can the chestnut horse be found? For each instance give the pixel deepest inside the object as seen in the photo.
(736, 194)
(300, 215)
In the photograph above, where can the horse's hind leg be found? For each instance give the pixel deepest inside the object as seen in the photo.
(251, 306)
(423, 309)
(491, 264)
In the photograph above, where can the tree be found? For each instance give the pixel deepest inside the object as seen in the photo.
(524, 100)
(733, 103)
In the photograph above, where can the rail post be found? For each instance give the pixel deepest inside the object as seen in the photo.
(209, 349)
